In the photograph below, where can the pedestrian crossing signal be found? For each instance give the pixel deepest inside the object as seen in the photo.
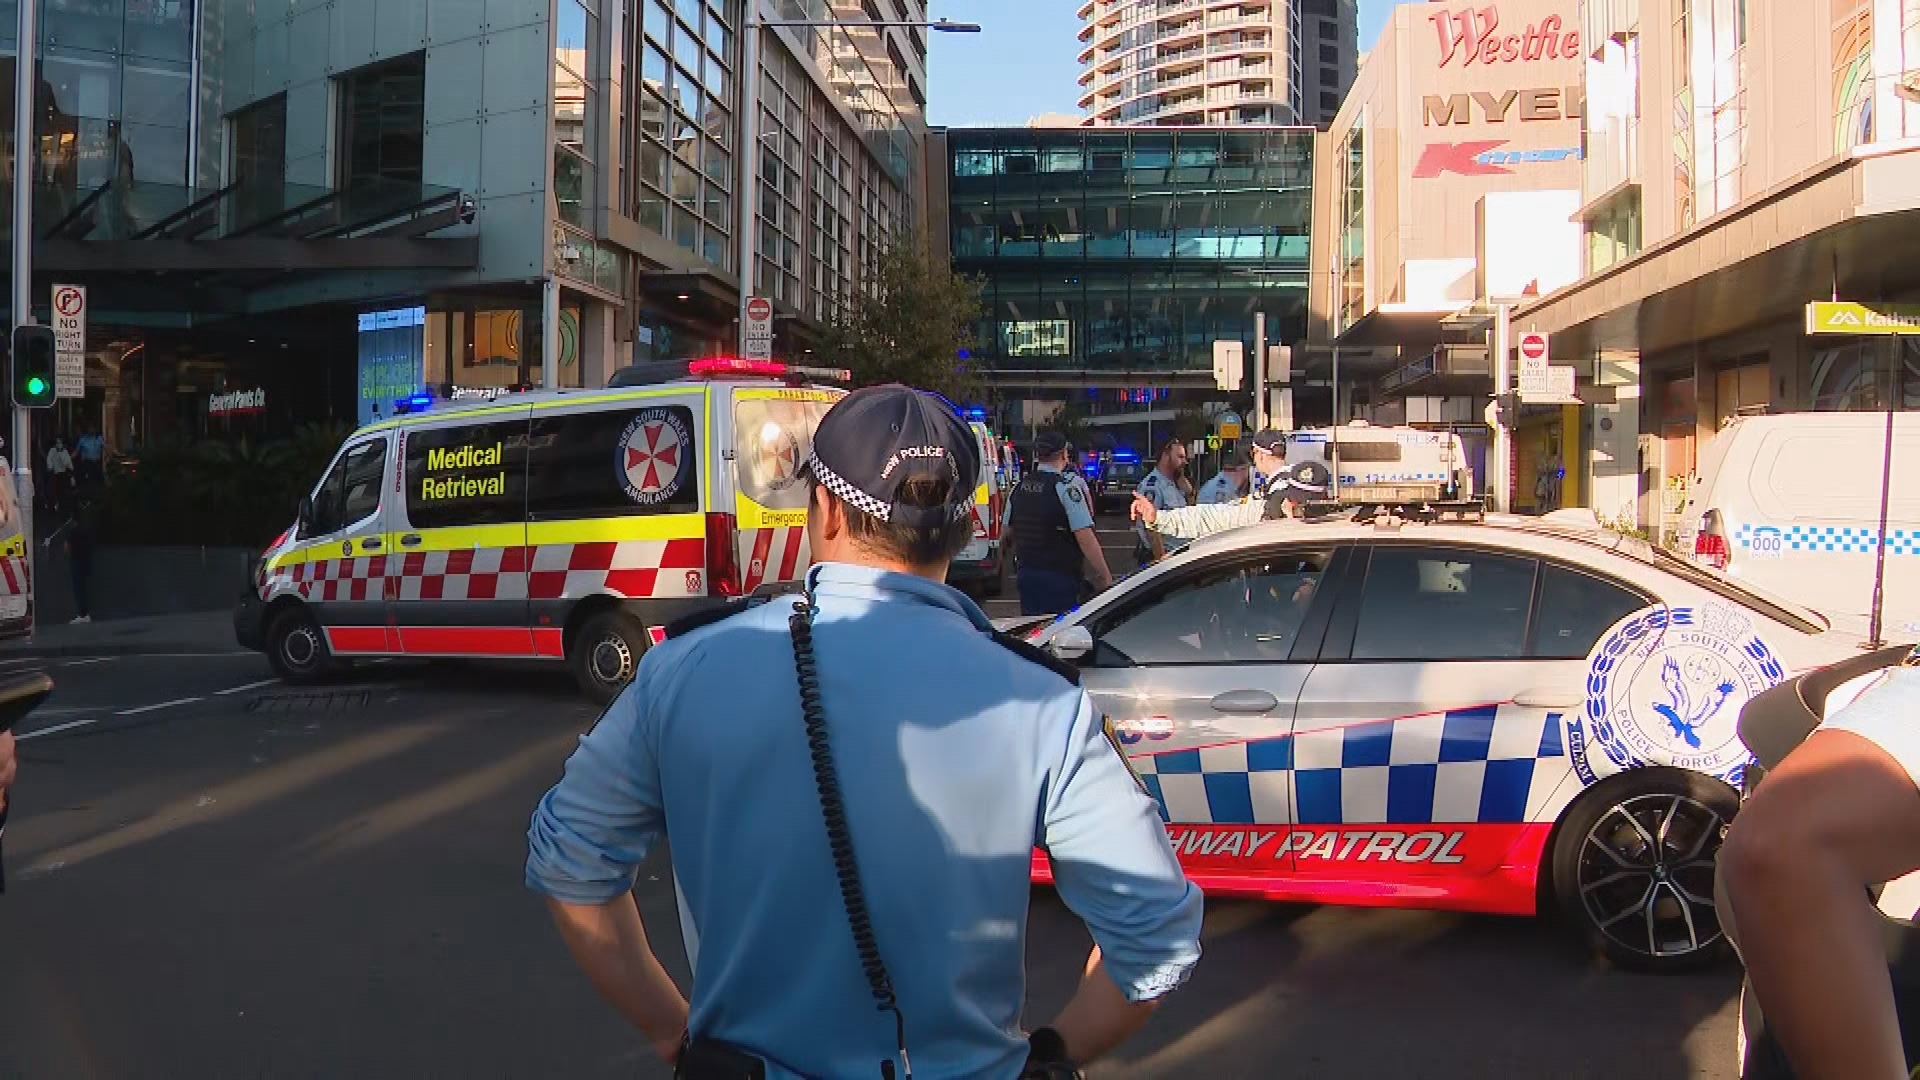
(30, 368)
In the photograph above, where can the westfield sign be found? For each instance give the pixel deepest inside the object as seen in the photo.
(1475, 36)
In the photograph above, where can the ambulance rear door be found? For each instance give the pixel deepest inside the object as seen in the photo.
(461, 535)
(772, 436)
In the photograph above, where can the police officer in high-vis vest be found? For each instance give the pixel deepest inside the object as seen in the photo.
(1050, 524)
(852, 784)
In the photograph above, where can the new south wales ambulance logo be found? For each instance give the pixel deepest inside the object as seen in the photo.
(1666, 687)
(652, 456)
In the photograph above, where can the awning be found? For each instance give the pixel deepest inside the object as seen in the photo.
(1846, 228)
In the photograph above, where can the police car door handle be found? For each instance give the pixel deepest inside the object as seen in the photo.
(371, 543)
(1253, 702)
(1550, 697)
(410, 540)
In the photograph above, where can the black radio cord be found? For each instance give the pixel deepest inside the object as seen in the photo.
(839, 836)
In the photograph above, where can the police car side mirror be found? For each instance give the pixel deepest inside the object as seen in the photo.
(1071, 643)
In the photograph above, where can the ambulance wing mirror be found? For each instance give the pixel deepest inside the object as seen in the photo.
(1071, 643)
(304, 513)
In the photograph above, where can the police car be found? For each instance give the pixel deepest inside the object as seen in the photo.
(1477, 713)
(567, 525)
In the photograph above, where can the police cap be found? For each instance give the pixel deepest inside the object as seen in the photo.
(1049, 443)
(873, 440)
(1272, 440)
(1305, 481)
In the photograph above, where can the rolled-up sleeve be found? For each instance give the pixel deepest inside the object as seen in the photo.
(1115, 868)
(593, 829)
(1887, 715)
(1193, 522)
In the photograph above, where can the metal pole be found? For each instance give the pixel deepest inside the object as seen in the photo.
(1500, 463)
(1876, 624)
(749, 190)
(25, 83)
(550, 334)
(1260, 371)
(1334, 427)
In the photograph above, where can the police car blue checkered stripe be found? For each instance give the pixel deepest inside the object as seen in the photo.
(1488, 765)
(1843, 538)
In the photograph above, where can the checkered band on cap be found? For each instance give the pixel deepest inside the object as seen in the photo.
(846, 492)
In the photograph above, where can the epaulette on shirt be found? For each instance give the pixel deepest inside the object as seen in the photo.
(1029, 651)
(687, 624)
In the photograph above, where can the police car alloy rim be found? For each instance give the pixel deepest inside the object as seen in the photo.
(1646, 874)
(611, 660)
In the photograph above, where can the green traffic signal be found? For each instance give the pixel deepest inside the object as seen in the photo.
(30, 376)
(36, 386)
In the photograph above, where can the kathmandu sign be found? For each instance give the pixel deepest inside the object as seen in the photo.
(1483, 157)
(1473, 36)
(1885, 320)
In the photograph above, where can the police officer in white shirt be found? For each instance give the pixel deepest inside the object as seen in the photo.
(1840, 814)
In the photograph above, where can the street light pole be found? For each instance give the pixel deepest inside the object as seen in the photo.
(749, 189)
(24, 86)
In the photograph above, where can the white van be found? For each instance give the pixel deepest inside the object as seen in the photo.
(982, 565)
(1791, 503)
(1392, 464)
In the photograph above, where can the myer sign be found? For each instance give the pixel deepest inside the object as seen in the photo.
(1840, 317)
(1541, 103)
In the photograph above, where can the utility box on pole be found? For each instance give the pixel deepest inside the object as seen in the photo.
(1229, 364)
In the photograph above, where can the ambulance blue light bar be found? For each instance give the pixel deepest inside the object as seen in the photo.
(412, 404)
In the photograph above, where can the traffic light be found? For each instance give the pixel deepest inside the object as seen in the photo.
(30, 372)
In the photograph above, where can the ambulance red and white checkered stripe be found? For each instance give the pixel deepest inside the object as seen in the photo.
(14, 580)
(776, 555)
(629, 568)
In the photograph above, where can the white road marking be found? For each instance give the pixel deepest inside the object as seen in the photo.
(161, 705)
(243, 689)
(89, 660)
(55, 729)
(23, 660)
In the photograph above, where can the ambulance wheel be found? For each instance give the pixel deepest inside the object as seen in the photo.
(296, 649)
(1633, 868)
(606, 650)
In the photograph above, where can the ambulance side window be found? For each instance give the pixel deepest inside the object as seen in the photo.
(351, 491)
(614, 463)
(466, 474)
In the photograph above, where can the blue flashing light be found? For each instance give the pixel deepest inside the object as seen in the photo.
(1125, 455)
(976, 413)
(965, 354)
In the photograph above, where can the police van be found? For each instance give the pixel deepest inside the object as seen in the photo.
(1387, 464)
(1791, 503)
(567, 525)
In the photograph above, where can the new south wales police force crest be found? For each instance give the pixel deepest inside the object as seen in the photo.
(1665, 687)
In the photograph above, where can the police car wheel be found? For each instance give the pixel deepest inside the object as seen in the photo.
(296, 649)
(1633, 869)
(606, 651)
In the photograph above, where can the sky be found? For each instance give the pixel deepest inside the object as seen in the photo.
(1022, 64)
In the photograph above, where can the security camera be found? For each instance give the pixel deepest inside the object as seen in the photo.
(469, 209)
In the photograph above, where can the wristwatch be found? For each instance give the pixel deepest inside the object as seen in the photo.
(1047, 1057)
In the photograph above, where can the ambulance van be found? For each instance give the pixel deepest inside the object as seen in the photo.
(1790, 503)
(568, 525)
(981, 565)
(16, 595)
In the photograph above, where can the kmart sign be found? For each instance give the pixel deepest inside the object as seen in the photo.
(1845, 317)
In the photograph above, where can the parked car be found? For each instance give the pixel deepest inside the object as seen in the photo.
(1500, 715)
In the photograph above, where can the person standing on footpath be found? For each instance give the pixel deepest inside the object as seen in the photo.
(1050, 530)
(852, 785)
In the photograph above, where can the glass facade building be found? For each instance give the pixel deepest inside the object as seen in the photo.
(1130, 251)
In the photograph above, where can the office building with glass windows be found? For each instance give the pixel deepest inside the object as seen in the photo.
(341, 202)
(1113, 260)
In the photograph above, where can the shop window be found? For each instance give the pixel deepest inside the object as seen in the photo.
(384, 123)
(620, 462)
(466, 474)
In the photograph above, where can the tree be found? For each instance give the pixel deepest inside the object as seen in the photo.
(909, 326)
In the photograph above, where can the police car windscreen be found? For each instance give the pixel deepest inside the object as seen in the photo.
(772, 438)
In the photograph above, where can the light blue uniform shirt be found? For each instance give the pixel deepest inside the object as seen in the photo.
(1220, 489)
(1163, 493)
(956, 757)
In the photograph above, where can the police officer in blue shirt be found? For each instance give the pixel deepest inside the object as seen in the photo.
(862, 833)
(1050, 528)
